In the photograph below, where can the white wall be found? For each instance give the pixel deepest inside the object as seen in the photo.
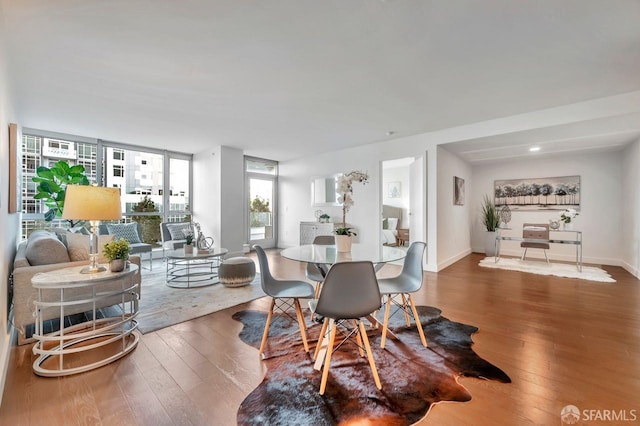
(218, 186)
(631, 208)
(295, 189)
(454, 241)
(10, 222)
(600, 216)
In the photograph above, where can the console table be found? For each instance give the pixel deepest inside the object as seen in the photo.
(95, 341)
(576, 240)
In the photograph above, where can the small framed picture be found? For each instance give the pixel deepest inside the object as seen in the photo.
(394, 190)
(458, 191)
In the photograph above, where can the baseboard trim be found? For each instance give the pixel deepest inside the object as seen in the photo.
(453, 259)
(5, 355)
(630, 269)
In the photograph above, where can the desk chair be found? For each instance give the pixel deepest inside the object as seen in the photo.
(539, 231)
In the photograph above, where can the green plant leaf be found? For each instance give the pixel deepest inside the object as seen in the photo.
(44, 172)
(49, 215)
(45, 187)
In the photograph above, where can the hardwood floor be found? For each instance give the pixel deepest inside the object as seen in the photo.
(562, 341)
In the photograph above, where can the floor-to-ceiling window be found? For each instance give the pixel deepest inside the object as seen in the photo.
(155, 184)
(261, 182)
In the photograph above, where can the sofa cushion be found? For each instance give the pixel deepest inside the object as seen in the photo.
(179, 231)
(128, 231)
(44, 248)
(79, 246)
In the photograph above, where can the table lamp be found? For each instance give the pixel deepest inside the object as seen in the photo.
(92, 203)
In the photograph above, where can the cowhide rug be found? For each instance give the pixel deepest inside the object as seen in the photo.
(413, 377)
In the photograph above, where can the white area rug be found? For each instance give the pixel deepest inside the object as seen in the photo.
(566, 270)
(162, 306)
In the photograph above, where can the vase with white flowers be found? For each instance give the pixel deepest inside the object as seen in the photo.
(345, 189)
(567, 216)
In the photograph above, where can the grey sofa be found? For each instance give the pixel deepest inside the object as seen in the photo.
(44, 251)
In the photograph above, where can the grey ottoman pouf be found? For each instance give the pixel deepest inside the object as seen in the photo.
(237, 271)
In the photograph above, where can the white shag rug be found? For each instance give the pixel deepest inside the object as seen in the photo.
(567, 270)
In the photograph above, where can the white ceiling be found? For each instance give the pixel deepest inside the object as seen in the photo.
(287, 78)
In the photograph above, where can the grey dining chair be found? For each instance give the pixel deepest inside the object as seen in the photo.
(315, 272)
(284, 295)
(349, 293)
(409, 281)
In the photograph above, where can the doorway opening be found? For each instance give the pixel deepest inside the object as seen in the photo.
(401, 201)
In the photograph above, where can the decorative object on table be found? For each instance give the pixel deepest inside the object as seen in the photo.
(236, 271)
(188, 244)
(505, 215)
(345, 189)
(92, 203)
(458, 191)
(394, 190)
(491, 221)
(202, 243)
(343, 239)
(117, 253)
(567, 217)
(52, 187)
(413, 382)
(552, 193)
(324, 218)
(554, 224)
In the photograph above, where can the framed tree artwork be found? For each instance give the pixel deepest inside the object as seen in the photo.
(549, 193)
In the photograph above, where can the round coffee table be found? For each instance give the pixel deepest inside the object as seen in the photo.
(197, 269)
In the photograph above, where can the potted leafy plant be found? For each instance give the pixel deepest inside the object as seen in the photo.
(343, 238)
(52, 186)
(117, 252)
(324, 218)
(188, 245)
(491, 222)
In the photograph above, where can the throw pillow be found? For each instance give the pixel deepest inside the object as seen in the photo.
(179, 231)
(385, 223)
(79, 246)
(393, 223)
(44, 248)
(128, 231)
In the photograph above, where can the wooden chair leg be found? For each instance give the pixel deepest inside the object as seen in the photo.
(358, 338)
(322, 339)
(372, 363)
(302, 324)
(418, 323)
(266, 327)
(387, 309)
(327, 360)
(407, 320)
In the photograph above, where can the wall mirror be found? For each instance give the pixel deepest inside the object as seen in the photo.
(323, 191)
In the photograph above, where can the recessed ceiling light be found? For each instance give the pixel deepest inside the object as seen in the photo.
(534, 148)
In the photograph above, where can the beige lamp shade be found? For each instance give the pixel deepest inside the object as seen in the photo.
(85, 202)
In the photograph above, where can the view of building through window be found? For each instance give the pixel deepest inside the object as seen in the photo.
(139, 175)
